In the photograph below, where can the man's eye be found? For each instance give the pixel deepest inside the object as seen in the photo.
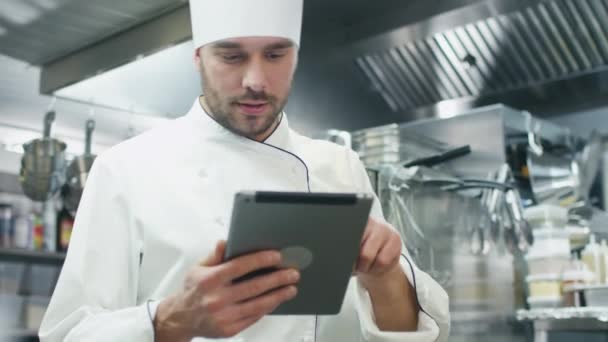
(232, 58)
(275, 55)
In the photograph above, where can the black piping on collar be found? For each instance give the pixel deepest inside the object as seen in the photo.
(266, 144)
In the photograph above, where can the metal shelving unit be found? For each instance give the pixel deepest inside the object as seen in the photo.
(31, 257)
(584, 319)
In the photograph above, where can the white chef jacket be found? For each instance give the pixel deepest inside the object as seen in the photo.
(155, 205)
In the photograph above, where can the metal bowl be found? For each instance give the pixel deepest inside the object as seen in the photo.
(42, 168)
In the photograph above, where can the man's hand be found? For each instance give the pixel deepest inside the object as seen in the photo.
(212, 306)
(380, 252)
(379, 271)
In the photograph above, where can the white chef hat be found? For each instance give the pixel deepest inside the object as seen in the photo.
(214, 20)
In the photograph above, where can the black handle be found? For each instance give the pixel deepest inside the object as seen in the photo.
(440, 158)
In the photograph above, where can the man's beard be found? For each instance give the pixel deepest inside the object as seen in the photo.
(224, 110)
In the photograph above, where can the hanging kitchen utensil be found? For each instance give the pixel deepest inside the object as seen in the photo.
(590, 162)
(554, 179)
(495, 202)
(78, 171)
(42, 171)
(521, 230)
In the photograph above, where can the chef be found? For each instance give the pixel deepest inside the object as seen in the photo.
(145, 261)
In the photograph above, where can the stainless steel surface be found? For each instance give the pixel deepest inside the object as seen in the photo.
(584, 319)
(486, 130)
(453, 230)
(43, 165)
(147, 38)
(40, 31)
(446, 234)
(485, 49)
(78, 171)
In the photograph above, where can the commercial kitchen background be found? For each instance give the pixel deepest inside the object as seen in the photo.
(435, 67)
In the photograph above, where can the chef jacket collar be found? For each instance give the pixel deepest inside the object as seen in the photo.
(279, 137)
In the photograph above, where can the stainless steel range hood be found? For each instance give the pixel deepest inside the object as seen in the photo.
(486, 49)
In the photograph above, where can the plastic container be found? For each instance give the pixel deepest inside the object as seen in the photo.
(549, 241)
(545, 285)
(597, 295)
(593, 257)
(550, 252)
(545, 302)
(577, 275)
(34, 309)
(552, 235)
(538, 265)
(546, 215)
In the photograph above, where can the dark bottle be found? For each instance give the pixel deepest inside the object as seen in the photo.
(65, 223)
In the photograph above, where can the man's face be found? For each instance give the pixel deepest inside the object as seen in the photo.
(246, 82)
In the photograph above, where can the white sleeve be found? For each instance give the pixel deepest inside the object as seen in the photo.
(433, 302)
(96, 294)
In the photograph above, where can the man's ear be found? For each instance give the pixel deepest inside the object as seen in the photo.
(197, 59)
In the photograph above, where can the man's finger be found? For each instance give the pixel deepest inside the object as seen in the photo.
(369, 251)
(246, 264)
(217, 256)
(259, 285)
(266, 303)
(389, 254)
(368, 230)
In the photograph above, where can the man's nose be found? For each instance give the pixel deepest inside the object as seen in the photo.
(255, 76)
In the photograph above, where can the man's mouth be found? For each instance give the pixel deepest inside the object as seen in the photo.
(252, 107)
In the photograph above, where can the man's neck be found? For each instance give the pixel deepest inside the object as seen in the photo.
(260, 138)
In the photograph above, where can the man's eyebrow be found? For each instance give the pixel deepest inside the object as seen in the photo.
(226, 45)
(279, 45)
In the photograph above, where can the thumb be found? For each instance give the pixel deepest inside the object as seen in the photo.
(217, 256)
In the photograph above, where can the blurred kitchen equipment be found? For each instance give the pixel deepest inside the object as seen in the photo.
(339, 137)
(43, 164)
(388, 145)
(78, 171)
(596, 295)
(546, 215)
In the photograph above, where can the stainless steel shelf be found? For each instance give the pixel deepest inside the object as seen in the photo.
(19, 335)
(558, 314)
(31, 257)
(588, 319)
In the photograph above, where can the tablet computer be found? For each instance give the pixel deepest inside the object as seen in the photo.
(317, 233)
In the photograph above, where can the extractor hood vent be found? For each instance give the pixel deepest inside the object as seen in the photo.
(548, 41)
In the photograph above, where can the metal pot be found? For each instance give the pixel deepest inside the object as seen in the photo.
(554, 179)
(78, 171)
(43, 164)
